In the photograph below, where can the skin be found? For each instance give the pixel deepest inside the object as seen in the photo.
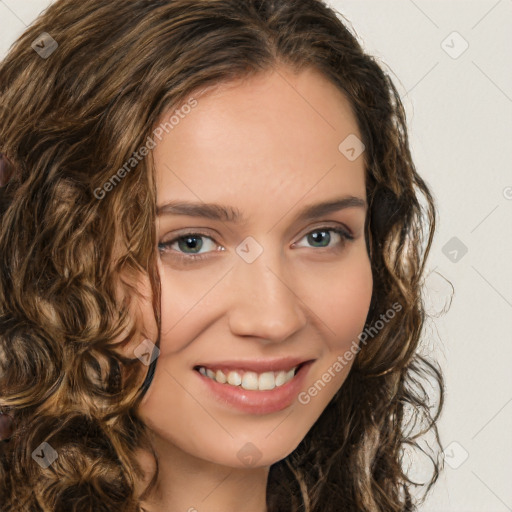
(268, 146)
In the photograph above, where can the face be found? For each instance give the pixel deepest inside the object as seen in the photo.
(249, 297)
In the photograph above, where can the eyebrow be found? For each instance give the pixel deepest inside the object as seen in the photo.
(223, 213)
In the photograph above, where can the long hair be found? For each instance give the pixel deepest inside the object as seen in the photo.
(80, 91)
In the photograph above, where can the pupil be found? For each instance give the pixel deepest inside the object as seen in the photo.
(189, 243)
(316, 237)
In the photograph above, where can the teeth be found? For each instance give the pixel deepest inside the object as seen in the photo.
(233, 378)
(281, 378)
(267, 381)
(220, 377)
(250, 380)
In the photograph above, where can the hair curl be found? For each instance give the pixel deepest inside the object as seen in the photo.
(67, 123)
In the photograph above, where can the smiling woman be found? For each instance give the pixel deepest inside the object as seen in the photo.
(240, 309)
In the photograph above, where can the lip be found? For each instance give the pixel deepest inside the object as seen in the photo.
(256, 365)
(258, 402)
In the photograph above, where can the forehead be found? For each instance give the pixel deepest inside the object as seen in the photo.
(276, 134)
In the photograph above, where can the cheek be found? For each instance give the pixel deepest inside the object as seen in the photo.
(184, 304)
(340, 297)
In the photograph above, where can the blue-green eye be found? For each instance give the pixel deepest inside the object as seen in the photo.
(322, 237)
(189, 245)
(192, 242)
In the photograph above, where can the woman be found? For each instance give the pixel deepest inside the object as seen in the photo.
(213, 248)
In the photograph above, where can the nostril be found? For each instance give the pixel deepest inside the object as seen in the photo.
(5, 170)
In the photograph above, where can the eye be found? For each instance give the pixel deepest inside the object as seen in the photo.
(188, 246)
(192, 242)
(321, 237)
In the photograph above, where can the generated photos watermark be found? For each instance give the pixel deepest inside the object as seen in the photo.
(144, 150)
(343, 360)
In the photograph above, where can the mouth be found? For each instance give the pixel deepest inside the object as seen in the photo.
(238, 386)
(249, 379)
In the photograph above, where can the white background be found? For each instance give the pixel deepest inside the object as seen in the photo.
(459, 106)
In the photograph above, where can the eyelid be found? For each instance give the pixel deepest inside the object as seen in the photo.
(188, 232)
(204, 232)
(327, 225)
(347, 236)
(188, 258)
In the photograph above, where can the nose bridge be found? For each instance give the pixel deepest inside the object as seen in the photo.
(263, 302)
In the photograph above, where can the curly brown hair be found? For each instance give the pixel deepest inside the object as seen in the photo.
(69, 261)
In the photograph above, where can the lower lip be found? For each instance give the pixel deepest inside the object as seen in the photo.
(258, 402)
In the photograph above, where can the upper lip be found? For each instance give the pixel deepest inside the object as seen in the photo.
(257, 365)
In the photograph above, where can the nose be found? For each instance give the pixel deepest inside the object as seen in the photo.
(263, 302)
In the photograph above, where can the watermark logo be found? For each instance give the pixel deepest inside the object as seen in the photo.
(44, 45)
(454, 45)
(44, 455)
(249, 249)
(147, 352)
(455, 455)
(351, 147)
(454, 249)
(249, 454)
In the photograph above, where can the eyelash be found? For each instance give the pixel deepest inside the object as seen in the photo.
(165, 246)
